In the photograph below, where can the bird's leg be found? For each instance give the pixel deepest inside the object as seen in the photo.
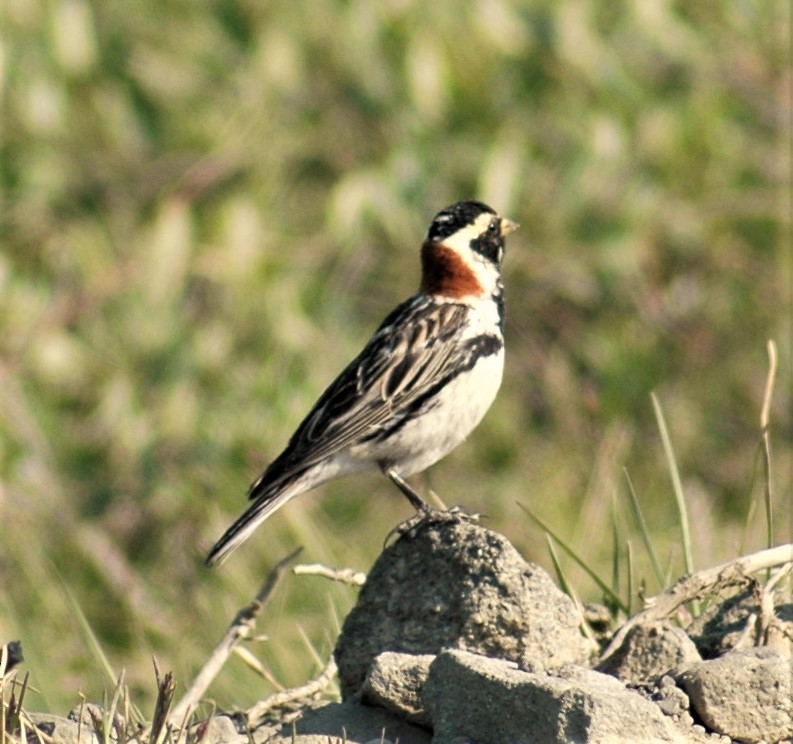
(409, 492)
(425, 514)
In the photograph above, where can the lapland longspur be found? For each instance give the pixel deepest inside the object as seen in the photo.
(419, 387)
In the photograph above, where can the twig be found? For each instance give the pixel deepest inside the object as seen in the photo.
(239, 629)
(257, 712)
(343, 575)
(701, 584)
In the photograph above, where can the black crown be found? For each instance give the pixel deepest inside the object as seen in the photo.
(454, 218)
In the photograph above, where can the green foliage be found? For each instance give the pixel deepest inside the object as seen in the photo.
(205, 209)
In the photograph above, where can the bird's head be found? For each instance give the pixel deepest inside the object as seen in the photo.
(461, 256)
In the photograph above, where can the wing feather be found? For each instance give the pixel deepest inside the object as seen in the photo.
(405, 357)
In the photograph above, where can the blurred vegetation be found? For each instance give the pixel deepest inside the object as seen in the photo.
(206, 208)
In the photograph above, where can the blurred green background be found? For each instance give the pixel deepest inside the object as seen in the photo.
(207, 207)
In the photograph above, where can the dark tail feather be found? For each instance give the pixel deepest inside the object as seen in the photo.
(246, 524)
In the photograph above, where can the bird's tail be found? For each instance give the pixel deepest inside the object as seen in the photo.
(265, 504)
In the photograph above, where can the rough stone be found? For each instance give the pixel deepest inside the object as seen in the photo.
(745, 695)
(60, 730)
(394, 682)
(671, 699)
(87, 714)
(650, 651)
(350, 723)
(489, 700)
(722, 626)
(217, 730)
(453, 584)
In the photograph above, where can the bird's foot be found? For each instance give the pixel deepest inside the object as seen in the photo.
(429, 516)
(460, 514)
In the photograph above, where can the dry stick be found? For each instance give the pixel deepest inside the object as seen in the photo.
(240, 628)
(279, 699)
(342, 575)
(701, 584)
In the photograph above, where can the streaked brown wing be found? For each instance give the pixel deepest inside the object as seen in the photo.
(406, 356)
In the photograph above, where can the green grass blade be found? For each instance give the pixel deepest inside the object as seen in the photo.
(567, 588)
(629, 562)
(615, 548)
(645, 533)
(96, 646)
(89, 635)
(564, 584)
(677, 486)
(602, 585)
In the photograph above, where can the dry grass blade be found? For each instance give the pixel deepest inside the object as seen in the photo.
(114, 722)
(768, 619)
(11, 718)
(239, 629)
(165, 692)
(765, 422)
(255, 664)
(702, 584)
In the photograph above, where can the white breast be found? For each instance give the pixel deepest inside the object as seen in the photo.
(451, 417)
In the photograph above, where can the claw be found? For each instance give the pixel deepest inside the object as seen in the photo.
(409, 528)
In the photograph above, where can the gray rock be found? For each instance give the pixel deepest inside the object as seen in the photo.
(743, 694)
(88, 714)
(489, 700)
(722, 626)
(650, 651)
(350, 723)
(671, 699)
(394, 682)
(453, 584)
(60, 730)
(217, 730)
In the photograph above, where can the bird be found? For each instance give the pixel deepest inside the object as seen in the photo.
(418, 388)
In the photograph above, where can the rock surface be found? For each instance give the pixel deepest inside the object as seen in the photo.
(724, 625)
(395, 682)
(743, 694)
(457, 640)
(650, 651)
(60, 730)
(454, 584)
(350, 723)
(490, 700)
(219, 729)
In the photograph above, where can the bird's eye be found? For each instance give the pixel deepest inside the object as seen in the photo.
(493, 227)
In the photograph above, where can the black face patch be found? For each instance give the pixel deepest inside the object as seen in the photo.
(490, 243)
(456, 217)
